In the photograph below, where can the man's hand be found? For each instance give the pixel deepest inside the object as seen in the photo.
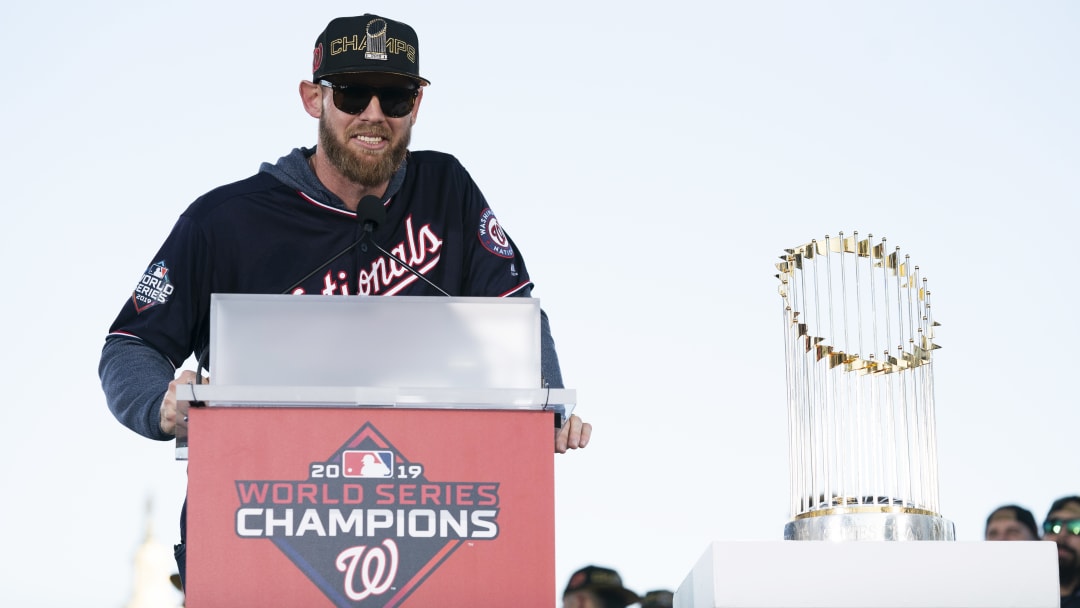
(574, 434)
(168, 404)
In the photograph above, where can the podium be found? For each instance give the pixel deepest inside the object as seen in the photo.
(371, 451)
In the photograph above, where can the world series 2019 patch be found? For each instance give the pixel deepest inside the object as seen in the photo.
(154, 287)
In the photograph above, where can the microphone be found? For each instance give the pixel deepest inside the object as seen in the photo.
(369, 212)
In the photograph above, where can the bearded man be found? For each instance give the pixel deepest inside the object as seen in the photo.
(303, 225)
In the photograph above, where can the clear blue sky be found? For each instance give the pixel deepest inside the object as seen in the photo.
(652, 160)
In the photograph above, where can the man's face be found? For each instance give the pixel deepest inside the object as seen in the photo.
(1068, 544)
(367, 147)
(1008, 528)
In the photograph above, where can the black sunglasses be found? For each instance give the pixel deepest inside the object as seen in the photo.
(354, 98)
(1054, 526)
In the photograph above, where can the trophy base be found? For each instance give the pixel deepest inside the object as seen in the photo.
(768, 574)
(870, 523)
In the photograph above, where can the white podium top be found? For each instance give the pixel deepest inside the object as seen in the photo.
(258, 339)
(374, 352)
(556, 399)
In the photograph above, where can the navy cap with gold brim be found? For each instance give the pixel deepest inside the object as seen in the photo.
(368, 44)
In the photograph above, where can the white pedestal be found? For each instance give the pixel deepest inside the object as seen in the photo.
(864, 574)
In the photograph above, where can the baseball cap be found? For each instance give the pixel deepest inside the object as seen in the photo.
(364, 45)
(660, 598)
(600, 580)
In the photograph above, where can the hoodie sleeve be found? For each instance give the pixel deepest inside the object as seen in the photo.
(135, 378)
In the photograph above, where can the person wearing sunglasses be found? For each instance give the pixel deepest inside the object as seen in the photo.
(1062, 526)
(303, 225)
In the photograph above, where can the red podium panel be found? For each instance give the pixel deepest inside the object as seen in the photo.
(370, 507)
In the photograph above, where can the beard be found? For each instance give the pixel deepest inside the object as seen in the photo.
(362, 167)
(1068, 571)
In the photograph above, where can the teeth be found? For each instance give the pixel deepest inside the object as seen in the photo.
(369, 139)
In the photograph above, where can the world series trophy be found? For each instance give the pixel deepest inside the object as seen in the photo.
(862, 443)
(858, 340)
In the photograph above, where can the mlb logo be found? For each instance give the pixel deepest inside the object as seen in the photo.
(158, 271)
(367, 463)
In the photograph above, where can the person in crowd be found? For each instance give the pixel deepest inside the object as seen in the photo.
(597, 587)
(1011, 522)
(658, 598)
(1062, 526)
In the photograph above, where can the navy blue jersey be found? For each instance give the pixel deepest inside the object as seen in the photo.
(259, 235)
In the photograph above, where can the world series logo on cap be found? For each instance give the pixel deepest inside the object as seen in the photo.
(367, 44)
(376, 44)
(376, 39)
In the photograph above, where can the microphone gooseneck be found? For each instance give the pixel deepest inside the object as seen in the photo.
(406, 266)
(369, 213)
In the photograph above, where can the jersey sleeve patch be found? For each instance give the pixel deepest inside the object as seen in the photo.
(492, 236)
(154, 287)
